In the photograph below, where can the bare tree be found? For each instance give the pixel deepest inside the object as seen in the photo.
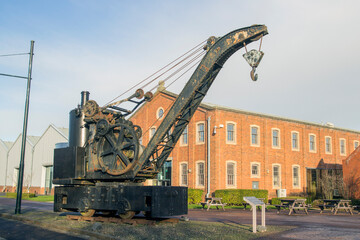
(331, 182)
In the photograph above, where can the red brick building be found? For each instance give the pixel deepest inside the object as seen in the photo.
(246, 150)
(351, 172)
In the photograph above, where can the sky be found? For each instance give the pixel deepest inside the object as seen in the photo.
(309, 72)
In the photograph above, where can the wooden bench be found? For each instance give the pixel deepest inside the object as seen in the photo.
(335, 205)
(292, 205)
(212, 201)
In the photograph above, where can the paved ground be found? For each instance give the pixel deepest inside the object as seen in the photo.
(312, 226)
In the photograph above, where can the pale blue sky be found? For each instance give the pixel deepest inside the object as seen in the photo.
(309, 72)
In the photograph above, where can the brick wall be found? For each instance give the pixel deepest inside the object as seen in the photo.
(242, 153)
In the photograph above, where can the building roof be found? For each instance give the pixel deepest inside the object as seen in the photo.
(6, 145)
(63, 131)
(33, 139)
(210, 107)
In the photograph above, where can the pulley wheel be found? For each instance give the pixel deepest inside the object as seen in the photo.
(118, 149)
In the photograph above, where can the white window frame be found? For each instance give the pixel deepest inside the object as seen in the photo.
(181, 175)
(298, 141)
(182, 143)
(344, 153)
(226, 174)
(258, 136)
(258, 175)
(326, 151)
(292, 176)
(157, 113)
(356, 141)
(234, 133)
(272, 138)
(198, 185)
(272, 179)
(197, 133)
(315, 149)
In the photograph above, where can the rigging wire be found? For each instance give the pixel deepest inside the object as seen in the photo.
(200, 44)
(165, 111)
(13, 54)
(172, 67)
(180, 69)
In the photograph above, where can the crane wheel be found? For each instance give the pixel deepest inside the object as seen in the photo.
(127, 215)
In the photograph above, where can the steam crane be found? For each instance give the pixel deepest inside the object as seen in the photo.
(104, 167)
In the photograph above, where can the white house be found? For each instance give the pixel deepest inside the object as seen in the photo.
(4, 150)
(42, 166)
(39, 154)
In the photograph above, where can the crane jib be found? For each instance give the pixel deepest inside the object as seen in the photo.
(218, 51)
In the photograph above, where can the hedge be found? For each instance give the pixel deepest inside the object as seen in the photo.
(236, 196)
(24, 195)
(195, 196)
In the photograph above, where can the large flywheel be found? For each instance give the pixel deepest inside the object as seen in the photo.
(118, 146)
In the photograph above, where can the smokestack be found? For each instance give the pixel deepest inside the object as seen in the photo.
(84, 98)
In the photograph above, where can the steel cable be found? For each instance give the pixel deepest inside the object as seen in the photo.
(197, 46)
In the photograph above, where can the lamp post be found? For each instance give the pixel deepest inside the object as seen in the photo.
(23, 144)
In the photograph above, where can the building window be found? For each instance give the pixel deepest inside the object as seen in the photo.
(184, 137)
(312, 143)
(200, 171)
(295, 140)
(328, 148)
(276, 138)
(255, 185)
(140, 141)
(48, 179)
(152, 132)
(230, 133)
(276, 176)
(296, 177)
(255, 170)
(230, 174)
(200, 133)
(160, 113)
(254, 136)
(342, 147)
(356, 144)
(183, 174)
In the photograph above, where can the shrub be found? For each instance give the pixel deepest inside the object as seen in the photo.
(24, 195)
(195, 196)
(236, 196)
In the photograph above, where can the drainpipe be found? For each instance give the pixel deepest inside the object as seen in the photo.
(208, 156)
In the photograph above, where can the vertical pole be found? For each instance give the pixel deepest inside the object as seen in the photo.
(254, 217)
(208, 156)
(23, 144)
(263, 208)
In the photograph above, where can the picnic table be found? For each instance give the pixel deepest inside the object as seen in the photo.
(213, 201)
(335, 205)
(292, 205)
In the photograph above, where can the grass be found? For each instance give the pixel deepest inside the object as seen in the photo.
(40, 198)
(181, 230)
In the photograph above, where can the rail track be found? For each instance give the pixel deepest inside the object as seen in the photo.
(133, 221)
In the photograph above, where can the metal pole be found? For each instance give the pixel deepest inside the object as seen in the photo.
(208, 156)
(22, 157)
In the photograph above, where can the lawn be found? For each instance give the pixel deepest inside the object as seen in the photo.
(180, 230)
(39, 198)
